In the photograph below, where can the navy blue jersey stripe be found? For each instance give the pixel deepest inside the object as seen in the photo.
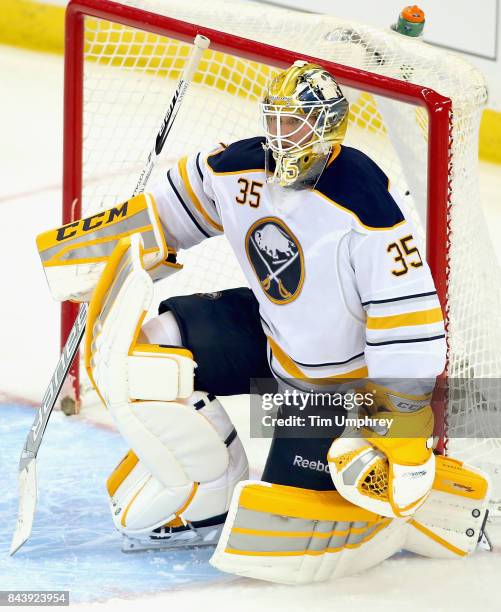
(406, 341)
(333, 363)
(398, 299)
(198, 168)
(263, 320)
(317, 365)
(231, 437)
(202, 179)
(188, 212)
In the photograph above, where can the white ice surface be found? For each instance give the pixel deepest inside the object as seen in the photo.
(30, 196)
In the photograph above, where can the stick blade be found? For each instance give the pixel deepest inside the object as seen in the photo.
(27, 505)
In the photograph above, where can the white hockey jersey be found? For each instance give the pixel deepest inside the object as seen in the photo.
(342, 285)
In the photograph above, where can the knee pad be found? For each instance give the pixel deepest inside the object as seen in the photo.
(163, 329)
(195, 485)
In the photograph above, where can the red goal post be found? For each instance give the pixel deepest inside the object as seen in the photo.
(438, 108)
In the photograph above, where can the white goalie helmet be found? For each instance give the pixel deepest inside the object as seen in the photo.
(304, 115)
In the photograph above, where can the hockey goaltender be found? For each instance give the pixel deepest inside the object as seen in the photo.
(338, 290)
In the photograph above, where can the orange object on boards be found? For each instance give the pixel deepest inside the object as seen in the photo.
(413, 13)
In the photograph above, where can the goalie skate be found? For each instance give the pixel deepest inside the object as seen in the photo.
(190, 535)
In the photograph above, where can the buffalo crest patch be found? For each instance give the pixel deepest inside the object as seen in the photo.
(276, 258)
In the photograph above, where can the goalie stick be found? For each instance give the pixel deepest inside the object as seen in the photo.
(27, 463)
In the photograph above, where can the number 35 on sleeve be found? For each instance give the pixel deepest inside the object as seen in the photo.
(404, 254)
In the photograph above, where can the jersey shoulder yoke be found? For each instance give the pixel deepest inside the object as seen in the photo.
(355, 183)
(240, 156)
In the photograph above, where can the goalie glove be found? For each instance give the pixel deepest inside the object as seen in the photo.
(74, 255)
(387, 470)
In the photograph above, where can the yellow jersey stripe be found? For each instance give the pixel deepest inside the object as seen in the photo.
(407, 319)
(183, 172)
(293, 370)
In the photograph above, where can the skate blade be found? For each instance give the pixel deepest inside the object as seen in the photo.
(180, 541)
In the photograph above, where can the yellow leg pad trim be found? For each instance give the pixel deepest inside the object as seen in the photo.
(295, 553)
(120, 473)
(298, 534)
(179, 521)
(124, 515)
(118, 260)
(437, 538)
(188, 501)
(302, 503)
(157, 349)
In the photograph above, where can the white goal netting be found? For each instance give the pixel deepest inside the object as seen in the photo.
(130, 75)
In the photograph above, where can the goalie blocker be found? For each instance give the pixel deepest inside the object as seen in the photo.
(74, 255)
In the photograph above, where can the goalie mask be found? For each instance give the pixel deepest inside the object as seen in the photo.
(304, 114)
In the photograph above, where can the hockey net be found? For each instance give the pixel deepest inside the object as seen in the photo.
(122, 65)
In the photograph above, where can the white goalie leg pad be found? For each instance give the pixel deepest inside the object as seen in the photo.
(118, 369)
(297, 536)
(449, 523)
(140, 502)
(290, 535)
(182, 445)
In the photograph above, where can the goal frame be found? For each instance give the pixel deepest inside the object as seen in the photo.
(438, 107)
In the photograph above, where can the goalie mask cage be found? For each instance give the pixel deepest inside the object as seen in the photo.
(415, 110)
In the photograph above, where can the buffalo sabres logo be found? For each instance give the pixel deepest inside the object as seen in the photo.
(277, 259)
